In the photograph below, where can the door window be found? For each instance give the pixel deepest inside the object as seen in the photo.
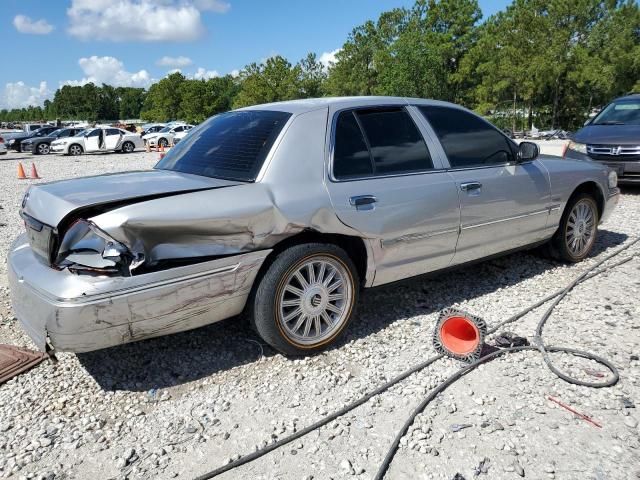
(113, 131)
(468, 140)
(378, 142)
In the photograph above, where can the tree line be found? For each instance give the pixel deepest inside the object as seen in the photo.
(548, 62)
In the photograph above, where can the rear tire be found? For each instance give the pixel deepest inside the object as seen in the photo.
(128, 147)
(305, 299)
(578, 229)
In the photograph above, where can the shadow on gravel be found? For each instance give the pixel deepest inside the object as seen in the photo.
(177, 359)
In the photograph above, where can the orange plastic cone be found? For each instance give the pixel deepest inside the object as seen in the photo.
(34, 172)
(459, 335)
(162, 147)
(146, 146)
(21, 174)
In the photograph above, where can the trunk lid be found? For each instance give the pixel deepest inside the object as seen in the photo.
(50, 203)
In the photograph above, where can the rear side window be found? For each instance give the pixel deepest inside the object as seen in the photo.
(113, 131)
(351, 157)
(387, 139)
(231, 145)
(468, 140)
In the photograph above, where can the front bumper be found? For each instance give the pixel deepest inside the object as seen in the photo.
(610, 203)
(26, 147)
(81, 313)
(57, 148)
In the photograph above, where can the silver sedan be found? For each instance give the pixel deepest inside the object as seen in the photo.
(284, 212)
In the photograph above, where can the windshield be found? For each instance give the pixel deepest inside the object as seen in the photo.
(231, 145)
(620, 112)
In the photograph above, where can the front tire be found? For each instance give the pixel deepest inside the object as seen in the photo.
(42, 149)
(163, 143)
(305, 299)
(578, 229)
(75, 149)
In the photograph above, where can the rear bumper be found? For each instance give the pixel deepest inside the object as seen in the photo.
(80, 313)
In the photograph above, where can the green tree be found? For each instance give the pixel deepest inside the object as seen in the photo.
(162, 102)
(274, 80)
(131, 102)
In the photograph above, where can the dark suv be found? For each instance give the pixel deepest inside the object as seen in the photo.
(612, 137)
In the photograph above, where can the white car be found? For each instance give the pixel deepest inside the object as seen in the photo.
(179, 136)
(101, 139)
(164, 137)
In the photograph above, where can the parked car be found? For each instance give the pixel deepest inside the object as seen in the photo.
(180, 135)
(612, 138)
(41, 145)
(101, 139)
(3, 147)
(26, 129)
(284, 211)
(15, 143)
(151, 128)
(164, 137)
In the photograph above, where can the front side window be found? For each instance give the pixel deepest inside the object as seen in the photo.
(468, 140)
(94, 133)
(378, 142)
(231, 145)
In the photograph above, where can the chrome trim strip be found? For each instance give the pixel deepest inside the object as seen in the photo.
(417, 236)
(502, 220)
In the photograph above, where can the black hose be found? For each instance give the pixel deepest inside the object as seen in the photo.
(540, 346)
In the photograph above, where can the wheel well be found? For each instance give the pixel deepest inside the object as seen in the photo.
(592, 189)
(353, 246)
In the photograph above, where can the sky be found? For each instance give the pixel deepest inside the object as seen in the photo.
(49, 43)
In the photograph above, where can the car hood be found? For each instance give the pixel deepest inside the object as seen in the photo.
(37, 139)
(609, 135)
(51, 203)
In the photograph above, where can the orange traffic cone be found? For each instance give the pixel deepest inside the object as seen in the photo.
(162, 147)
(21, 174)
(34, 172)
(147, 147)
(459, 335)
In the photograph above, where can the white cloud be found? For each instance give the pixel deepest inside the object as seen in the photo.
(329, 58)
(203, 74)
(174, 61)
(24, 24)
(111, 71)
(217, 6)
(173, 70)
(140, 20)
(235, 73)
(20, 95)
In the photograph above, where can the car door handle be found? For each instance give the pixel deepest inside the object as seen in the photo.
(363, 202)
(468, 186)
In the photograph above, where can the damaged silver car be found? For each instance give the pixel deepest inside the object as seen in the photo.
(284, 212)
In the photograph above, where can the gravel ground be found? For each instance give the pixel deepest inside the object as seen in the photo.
(181, 405)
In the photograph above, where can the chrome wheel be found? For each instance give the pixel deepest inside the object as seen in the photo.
(128, 147)
(581, 228)
(43, 149)
(315, 300)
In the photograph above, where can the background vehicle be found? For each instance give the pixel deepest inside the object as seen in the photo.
(3, 147)
(612, 138)
(299, 205)
(25, 130)
(15, 143)
(165, 136)
(101, 139)
(40, 145)
(151, 128)
(179, 136)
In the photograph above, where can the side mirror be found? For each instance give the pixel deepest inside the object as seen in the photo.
(527, 151)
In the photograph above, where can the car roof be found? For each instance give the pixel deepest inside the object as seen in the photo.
(310, 104)
(629, 96)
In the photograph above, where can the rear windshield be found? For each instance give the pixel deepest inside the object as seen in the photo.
(231, 145)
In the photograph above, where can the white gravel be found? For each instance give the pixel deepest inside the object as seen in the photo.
(181, 405)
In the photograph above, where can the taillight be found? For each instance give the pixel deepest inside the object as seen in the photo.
(1, 140)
